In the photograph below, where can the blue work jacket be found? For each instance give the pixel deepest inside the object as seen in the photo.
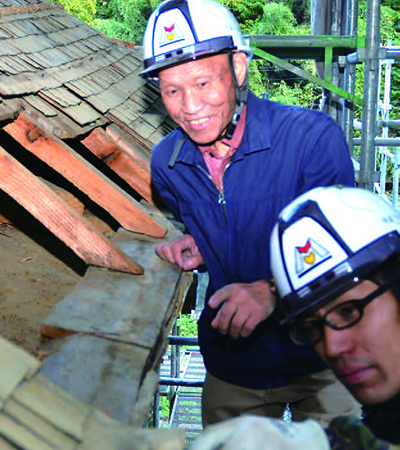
(285, 151)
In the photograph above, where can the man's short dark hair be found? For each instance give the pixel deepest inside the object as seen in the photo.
(389, 272)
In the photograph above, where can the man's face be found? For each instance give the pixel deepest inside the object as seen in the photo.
(365, 357)
(199, 96)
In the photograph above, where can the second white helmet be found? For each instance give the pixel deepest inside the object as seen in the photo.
(325, 240)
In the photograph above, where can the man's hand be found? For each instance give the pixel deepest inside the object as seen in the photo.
(182, 251)
(244, 306)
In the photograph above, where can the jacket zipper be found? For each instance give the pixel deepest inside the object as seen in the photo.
(221, 195)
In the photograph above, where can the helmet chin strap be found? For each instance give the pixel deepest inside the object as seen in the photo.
(241, 99)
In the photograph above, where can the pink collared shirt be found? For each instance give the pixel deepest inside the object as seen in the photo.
(217, 164)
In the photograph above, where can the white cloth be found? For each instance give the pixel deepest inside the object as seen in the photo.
(250, 432)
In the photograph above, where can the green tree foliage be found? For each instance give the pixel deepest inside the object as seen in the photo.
(124, 19)
(246, 11)
(393, 4)
(300, 10)
(83, 9)
(187, 325)
(277, 19)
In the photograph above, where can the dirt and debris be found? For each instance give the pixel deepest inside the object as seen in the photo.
(33, 279)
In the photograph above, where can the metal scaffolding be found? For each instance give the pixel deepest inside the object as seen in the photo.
(337, 50)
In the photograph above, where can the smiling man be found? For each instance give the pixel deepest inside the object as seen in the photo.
(231, 165)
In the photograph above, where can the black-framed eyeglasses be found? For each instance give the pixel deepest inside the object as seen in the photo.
(342, 316)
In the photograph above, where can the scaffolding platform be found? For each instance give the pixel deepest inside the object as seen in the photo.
(186, 411)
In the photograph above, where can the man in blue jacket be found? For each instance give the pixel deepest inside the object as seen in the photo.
(232, 164)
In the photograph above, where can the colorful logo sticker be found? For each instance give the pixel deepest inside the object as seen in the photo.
(309, 256)
(170, 35)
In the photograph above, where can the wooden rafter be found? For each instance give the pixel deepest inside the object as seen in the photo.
(83, 175)
(62, 220)
(128, 165)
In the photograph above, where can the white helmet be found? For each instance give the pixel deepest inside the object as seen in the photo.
(325, 241)
(181, 30)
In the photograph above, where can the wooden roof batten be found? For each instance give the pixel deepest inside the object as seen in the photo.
(62, 80)
(71, 99)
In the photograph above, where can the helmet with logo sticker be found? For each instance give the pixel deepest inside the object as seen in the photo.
(327, 240)
(182, 30)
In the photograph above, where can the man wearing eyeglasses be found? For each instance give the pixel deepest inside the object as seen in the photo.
(336, 263)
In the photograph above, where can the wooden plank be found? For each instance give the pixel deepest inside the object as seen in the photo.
(28, 45)
(103, 373)
(52, 77)
(16, 63)
(59, 125)
(20, 436)
(134, 171)
(142, 127)
(122, 307)
(100, 435)
(41, 105)
(67, 413)
(87, 178)
(82, 114)
(125, 322)
(83, 87)
(118, 92)
(60, 218)
(65, 36)
(77, 110)
(130, 143)
(8, 111)
(19, 364)
(68, 198)
(131, 109)
(61, 96)
(40, 415)
(37, 425)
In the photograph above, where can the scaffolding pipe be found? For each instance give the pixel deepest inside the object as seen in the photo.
(371, 74)
(183, 340)
(169, 381)
(388, 52)
(349, 79)
(380, 142)
(396, 174)
(390, 123)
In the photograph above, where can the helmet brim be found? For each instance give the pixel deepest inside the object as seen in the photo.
(341, 278)
(212, 47)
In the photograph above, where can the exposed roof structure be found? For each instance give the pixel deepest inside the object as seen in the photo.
(72, 76)
(66, 89)
(77, 125)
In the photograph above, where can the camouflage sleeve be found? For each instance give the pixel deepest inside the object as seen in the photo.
(349, 433)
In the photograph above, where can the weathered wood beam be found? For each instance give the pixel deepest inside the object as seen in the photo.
(134, 147)
(119, 306)
(120, 325)
(62, 220)
(100, 372)
(53, 121)
(134, 170)
(87, 178)
(35, 414)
